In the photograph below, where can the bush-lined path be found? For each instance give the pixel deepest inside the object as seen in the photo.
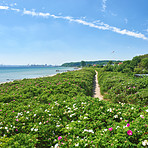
(96, 92)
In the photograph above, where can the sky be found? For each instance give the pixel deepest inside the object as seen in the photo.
(59, 31)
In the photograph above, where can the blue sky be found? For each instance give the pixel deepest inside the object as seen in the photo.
(59, 31)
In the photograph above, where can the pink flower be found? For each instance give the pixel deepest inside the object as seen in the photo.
(133, 86)
(129, 132)
(110, 129)
(91, 141)
(125, 120)
(49, 103)
(141, 116)
(128, 125)
(13, 111)
(16, 130)
(16, 119)
(0, 110)
(59, 137)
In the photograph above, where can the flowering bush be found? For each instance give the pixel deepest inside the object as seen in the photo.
(40, 113)
(126, 88)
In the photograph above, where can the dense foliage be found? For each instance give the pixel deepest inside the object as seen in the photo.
(138, 65)
(59, 112)
(87, 63)
(122, 87)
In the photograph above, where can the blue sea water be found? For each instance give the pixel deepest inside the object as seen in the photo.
(15, 73)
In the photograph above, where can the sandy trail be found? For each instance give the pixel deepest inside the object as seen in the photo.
(96, 91)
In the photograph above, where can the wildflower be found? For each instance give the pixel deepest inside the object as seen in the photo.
(40, 123)
(56, 146)
(127, 125)
(117, 127)
(145, 142)
(116, 116)
(59, 137)
(16, 119)
(141, 116)
(109, 110)
(132, 108)
(34, 115)
(77, 144)
(125, 120)
(129, 132)
(0, 110)
(16, 129)
(105, 130)
(147, 110)
(110, 129)
(35, 129)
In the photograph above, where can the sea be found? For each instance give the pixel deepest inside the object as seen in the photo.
(8, 74)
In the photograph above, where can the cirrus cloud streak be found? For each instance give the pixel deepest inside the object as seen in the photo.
(100, 25)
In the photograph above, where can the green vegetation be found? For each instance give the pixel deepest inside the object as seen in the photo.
(88, 63)
(59, 111)
(138, 65)
(125, 88)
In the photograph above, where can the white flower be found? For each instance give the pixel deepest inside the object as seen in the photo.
(116, 116)
(109, 110)
(27, 112)
(105, 130)
(132, 108)
(77, 144)
(147, 110)
(56, 146)
(57, 125)
(34, 115)
(91, 131)
(145, 142)
(120, 118)
(40, 123)
(72, 115)
(32, 129)
(28, 105)
(124, 126)
(35, 129)
(26, 117)
(6, 128)
(85, 118)
(45, 110)
(49, 114)
(117, 127)
(0, 127)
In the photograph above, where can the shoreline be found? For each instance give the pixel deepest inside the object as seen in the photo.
(40, 76)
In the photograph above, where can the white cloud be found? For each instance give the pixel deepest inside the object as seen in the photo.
(104, 5)
(4, 7)
(18, 10)
(96, 24)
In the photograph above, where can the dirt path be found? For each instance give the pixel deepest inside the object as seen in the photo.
(96, 91)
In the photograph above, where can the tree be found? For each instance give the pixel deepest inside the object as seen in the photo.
(83, 63)
(144, 63)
